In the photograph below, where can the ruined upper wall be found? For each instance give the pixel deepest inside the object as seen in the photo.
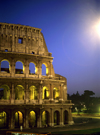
(22, 39)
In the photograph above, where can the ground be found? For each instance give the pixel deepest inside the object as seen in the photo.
(83, 123)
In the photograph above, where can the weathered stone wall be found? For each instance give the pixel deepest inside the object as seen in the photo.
(23, 39)
(27, 45)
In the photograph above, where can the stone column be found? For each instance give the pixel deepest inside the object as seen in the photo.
(70, 119)
(12, 94)
(11, 123)
(61, 92)
(61, 117)
(26, 122)
(39, 69)
(13, 36)
(65, 93)
(39, 118)
(0, 65)
(51, 92)
(50, 69)
(26, 93)
(40, 93)
(26, 72)
(51, 117)
(12, 71)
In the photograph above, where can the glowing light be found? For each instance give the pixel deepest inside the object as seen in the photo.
(36, 70)
(33, 92)
(56, 93)
(47, 70)
(97, 27)
(46, 92)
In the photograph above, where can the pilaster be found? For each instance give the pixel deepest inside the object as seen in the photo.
(39, 118)
(51, 118)
(50, 69)
(11, 120)
(0, 66)
(61, 117)
(70, 119)
(40, 93)
(51, 92)
(39, 69)
(12, 94)
(26, 72)
(26, 93)
(26, 122)
(13, 46)
(12, 68)
(61, 92)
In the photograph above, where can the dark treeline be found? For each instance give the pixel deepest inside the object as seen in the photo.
(86, 102)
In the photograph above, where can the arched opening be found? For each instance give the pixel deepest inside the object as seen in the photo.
(32, 68)
(33, 52)
(56, 93)
(65, 117)
(5, 66)
(32, 119)
(56, 118)
(45, 118)
(33, 93)
(6, 50)
(45, 94)
(4, 92)
(18, 119)
(3, 120)
(19, 92)
(19, 68)
(44, 69)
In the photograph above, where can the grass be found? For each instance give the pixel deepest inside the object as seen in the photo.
(88, 131)
(86, 113)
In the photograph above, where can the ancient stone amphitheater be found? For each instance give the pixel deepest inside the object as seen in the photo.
(27, 96)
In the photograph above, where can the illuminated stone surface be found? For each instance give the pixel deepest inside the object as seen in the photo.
(30, 98)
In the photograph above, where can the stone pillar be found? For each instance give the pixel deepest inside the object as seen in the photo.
(39, 69)
(12, 71)
(26, 72)
(26, 122)
(51, 92)
(0, 65)
(26, 93)
(61, 92)
(13, 36)
(40, 93)
(70, 119)
(51, 117)
(50, 69)
(65, 93)
(12, 94)
(61, 117)
(39, 119)
(11, 123)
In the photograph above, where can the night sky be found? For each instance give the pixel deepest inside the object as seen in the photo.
(71, 29)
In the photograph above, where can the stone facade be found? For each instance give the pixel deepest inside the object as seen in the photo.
(30, 99)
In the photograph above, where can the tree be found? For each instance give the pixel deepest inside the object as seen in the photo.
(87, 99)
(76, 99)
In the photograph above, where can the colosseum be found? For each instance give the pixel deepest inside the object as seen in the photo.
(31, 94)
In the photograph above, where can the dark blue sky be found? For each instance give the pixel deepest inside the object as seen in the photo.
(71, 29)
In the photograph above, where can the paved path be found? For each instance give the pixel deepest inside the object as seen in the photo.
(90, 124)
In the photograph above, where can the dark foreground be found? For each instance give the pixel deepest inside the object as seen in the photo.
(82, 126)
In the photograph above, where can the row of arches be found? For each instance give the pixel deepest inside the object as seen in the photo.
(19, 67)
(33, 92)
(32, 119)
